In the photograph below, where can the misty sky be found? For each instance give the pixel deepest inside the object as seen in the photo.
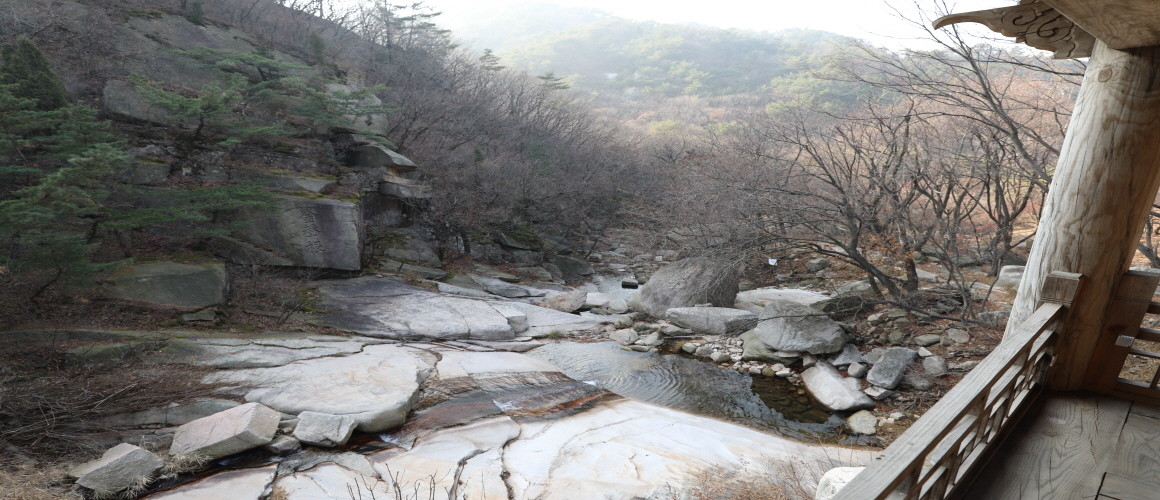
(868, 19)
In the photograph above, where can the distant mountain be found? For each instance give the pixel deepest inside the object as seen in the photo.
(600, 52)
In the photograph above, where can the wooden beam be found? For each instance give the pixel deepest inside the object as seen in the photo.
(1120, 24)
(1104, 185)
(1126, 312)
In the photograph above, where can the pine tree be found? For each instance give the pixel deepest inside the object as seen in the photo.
(489, 61)
(26, 67)
(554, 82)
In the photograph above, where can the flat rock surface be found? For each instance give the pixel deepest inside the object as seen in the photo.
(387, 308)
(245, 484)
(625, 449)
(242, 353)
(376, 387)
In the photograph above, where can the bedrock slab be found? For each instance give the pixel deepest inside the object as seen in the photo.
(387, 308)
(376, 387)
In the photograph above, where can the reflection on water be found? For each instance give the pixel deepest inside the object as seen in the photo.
(694, 386)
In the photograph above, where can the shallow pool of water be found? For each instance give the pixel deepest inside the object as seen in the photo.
(694, 386)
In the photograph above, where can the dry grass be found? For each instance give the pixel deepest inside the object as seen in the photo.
(773, 479)
(49, 409)
(30, 481)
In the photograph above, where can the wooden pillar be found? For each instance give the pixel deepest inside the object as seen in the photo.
(1104, 184)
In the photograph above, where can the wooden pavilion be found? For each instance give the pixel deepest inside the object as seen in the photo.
(1049, 414)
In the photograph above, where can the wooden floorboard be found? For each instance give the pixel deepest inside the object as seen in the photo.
(1121, 488)
(1138, 451)
(1060, 450)
(1146, 410)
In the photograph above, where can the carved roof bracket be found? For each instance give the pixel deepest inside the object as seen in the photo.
(1034, 23)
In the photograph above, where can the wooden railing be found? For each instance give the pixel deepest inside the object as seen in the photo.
(935, 454)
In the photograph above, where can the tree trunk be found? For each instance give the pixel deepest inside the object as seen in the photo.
(1104, 185)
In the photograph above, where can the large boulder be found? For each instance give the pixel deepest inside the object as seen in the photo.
(713, 320)
(834, 480)
(120, 468)
(687, 283)
(834, 391)
(790, 326)
(169, 283)
(407, 245)
(567, 302)
(224, 433)
(1009, 277)
(756, 350)
(573, 268)
(374, 156)
(314, 233)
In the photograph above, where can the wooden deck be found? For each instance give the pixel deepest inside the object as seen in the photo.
(1076, 445)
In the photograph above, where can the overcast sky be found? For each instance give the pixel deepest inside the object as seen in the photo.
(873, 20)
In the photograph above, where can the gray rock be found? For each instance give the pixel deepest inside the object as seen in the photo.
(846, 304)
(376, 387)
(834, 480)
(712, 320)
(687, 283)
(917, 381)
(615, 306)
(965, 366)
(688, 348)
(239, 353)
(106, 354)
(857, 370)
(958, 336)
(408, 245)
(169, 283)
(315, 233)
(566, 302)
(833, 390)
(554, 270)
(1009, 277)
(500, 287)
(625, 337)
(283, 445)
(924, 352)
(171, 416)
(863, 422)
(323, 429)
(935, 366)
(519, 240)
(633, 302)
(720, 357)
(704, 351)
(888, 371)
(874, 355)
(878, 393)
(224, 433)
(572, 268)
(854, 287)
(927, 340)
(849, 354)
(653, 339)
(790, 326)
(818, 264)
(373, 156)
(458, 290)
(516, 318)
(762, 295)
(756, 350)
(120, 468)
(596, 299)
(120, 98)
(240, 252)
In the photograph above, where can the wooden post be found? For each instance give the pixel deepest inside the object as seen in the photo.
(1104, 184)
